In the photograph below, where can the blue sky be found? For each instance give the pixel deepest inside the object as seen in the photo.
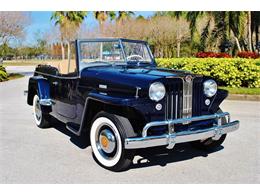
(40, 22)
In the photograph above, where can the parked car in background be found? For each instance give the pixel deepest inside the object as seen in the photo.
(114, 92)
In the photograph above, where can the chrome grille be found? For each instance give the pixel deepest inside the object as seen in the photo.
(179, 99)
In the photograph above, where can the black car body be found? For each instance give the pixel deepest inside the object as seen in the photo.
(117, 80)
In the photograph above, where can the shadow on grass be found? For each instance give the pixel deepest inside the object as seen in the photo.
(158, 156)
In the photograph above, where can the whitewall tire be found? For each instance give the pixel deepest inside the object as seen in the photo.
(107, 141)
(40, 118)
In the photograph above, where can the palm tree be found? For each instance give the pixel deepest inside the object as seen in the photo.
(249, 23)
(102, 16)
(237, 23)
(140, 17)
(124, 15)
(69, 23)
(256, 25)
(224, 23)
(59, 18)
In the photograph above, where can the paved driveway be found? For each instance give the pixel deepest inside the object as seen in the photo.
(32, 155)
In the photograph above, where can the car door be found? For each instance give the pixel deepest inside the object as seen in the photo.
(64, 87)
(65, 98)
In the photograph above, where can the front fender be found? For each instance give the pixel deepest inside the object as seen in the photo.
(219, 98)
(96, 102)
(39, 85)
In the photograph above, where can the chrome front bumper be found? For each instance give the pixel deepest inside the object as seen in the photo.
(173, 138)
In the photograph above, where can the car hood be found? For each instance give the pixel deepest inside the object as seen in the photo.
(128, 78)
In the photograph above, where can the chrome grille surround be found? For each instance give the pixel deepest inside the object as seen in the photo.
(179, 99)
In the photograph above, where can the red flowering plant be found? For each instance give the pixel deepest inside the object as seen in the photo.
(248, 54)
(212, 55)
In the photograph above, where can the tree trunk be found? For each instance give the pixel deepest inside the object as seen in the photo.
(226, 27)
(249, 31)
(62, 51)
(68, 56)
(238, 44)
(178, 49)
(257, 34)
(101, 26)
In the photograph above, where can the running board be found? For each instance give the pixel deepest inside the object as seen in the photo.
(73, 128)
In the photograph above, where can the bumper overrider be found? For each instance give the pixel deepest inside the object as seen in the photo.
(173, 138)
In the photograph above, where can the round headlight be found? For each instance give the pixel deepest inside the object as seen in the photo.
(210, 88)
(157, 91)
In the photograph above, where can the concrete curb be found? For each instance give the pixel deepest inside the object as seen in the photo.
(244, 97)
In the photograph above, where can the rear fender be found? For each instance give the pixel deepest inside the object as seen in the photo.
(39, 85)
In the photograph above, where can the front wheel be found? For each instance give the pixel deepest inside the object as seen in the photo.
(107, 137)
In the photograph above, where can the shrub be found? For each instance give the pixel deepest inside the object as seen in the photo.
(3, 74)
(248, 54)
(212, 55)
(231, 72)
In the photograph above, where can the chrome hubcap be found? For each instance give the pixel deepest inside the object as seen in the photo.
(107, 141)
(37, 110)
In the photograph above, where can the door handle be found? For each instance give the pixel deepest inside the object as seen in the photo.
(55, 83)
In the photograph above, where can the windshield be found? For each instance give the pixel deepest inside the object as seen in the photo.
(101, 53)
(136, 52)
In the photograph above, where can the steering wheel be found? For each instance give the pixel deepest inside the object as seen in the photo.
(135, 58)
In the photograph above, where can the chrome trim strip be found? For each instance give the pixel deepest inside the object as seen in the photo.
(180, 137)
(182, 121)
(102, 86)
(137, 92)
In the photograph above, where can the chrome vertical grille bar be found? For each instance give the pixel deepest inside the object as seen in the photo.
(166, 107)
(176, 106)
(171, 105)
(187, 98)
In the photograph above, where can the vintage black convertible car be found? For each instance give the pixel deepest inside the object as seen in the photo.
(112, 90)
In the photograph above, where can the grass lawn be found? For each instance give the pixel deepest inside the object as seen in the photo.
(242, 90)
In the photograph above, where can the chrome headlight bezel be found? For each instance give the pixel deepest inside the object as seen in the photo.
(210, 88)
(157, 91)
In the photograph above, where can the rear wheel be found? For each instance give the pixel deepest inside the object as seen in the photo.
(211, 144)
(107, 137)
(41, 119)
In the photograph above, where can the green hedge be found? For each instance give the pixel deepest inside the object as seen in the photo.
(231, 72)
(3, 74)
